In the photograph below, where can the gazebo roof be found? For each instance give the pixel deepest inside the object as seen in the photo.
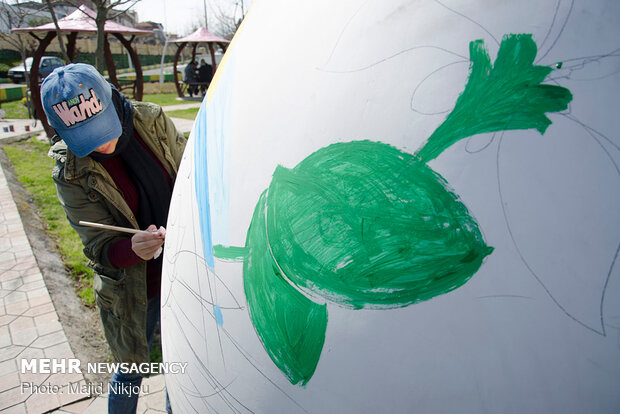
(201, 36)
(83, 20)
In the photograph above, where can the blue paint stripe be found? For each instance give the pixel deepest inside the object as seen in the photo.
(201, 180)
(219, 131)
(218, 315)
(212, 136)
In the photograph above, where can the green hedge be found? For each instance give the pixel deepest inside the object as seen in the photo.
(9, 55)
(4, 70)
(121, 61)
(9, 59)
(12, 58)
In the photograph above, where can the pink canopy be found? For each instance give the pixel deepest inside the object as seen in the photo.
(83, 20)
(201, 36)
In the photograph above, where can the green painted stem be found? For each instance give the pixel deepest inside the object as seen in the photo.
(502, 97)
(231, 253)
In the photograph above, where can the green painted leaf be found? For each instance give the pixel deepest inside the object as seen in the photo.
(291, 327)
(363, 224)
(502, 97)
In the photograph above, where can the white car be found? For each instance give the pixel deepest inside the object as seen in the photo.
(47, 66)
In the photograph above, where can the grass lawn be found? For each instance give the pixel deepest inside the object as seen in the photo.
(184, 113)
(14, 110)
(162, 99)
(33, 168)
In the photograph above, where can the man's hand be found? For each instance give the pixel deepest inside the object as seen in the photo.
(147, 243)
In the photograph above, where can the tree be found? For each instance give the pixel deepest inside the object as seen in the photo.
(58, 32)
(12, 17)
(38, 21)
(106, 10)
(228, 21)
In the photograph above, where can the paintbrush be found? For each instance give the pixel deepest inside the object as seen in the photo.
(117, 228)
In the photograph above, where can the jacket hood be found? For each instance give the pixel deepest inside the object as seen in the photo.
(59, 150)
(145, 112)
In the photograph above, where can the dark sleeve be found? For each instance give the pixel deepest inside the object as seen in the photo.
(122, 255)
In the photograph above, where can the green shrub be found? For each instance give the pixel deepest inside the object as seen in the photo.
(4, 69)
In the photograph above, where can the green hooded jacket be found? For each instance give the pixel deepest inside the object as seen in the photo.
(88, 193)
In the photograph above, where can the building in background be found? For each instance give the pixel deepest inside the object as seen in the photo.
(159, 37)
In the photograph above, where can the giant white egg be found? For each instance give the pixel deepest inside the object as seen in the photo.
(402, 206)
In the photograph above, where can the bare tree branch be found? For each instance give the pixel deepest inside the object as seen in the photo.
(58, 32)
(227, 22)
(117, 13)
(105, 11)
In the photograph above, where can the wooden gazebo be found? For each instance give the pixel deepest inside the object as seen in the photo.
(81, 21)
(201, 35)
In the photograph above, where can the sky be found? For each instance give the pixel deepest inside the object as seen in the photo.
(179, 16)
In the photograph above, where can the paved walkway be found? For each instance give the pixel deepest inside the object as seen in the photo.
(16, 129)
(183, 125)
(195, 104)
(29, 325)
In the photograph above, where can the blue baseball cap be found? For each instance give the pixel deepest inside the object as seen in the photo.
(78, 103)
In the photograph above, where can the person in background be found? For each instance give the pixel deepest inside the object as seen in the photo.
(205, 75)
(190, 75)
(116, 162)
